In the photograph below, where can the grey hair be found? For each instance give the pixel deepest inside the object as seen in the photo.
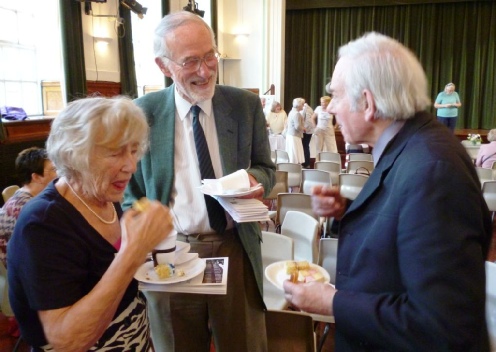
(450, 85)
(86, 123)
(168, 24)
(297, 102)
(390, 71)
(491, 135)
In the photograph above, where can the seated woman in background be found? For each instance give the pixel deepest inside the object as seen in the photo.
(487, 152)
(276, 120)
(71, 261)
(34, 172)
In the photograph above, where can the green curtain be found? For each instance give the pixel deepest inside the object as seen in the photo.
(129, 84)
(73, 49)
(455, 42)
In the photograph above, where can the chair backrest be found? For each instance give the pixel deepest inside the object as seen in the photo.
(360, 156)
(352, 166)
(491, 303)
(484, 174)
(489, 193)
(304, 230)
(331, 166)
(350, 185)
(294, 173)
(314, 177)
(9, 192)
(4, 292)
(328, 255)
(281, 185)
(289, 331)
(282, 156)
(275, 247)
(293, 201)
(329, 156)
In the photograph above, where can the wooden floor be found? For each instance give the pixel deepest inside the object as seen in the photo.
(8, 342)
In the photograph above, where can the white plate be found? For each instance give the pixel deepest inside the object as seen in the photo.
(205, 189)
(192, 268)
(182, 247)
(183, 258)
(276, 273)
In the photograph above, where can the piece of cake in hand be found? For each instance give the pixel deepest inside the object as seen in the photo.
(141, 205)
(164, 271)
(292, 271)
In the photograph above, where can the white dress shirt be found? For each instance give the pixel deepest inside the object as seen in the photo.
(188, 202)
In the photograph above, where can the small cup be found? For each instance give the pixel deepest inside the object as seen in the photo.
(165, 251)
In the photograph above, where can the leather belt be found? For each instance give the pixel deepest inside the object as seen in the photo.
(207, 237)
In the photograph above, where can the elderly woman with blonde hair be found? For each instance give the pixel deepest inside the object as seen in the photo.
(487, 152)
(71, 261)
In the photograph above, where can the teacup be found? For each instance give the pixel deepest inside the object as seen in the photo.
(165, 251)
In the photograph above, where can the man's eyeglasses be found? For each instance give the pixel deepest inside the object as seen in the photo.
(193, 64)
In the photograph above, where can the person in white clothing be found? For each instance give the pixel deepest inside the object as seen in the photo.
(324, 132)
(294, 133)
(309, 128)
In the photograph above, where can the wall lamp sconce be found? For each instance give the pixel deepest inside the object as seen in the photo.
(102, 41)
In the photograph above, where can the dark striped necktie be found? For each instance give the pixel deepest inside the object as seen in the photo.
(216, 215)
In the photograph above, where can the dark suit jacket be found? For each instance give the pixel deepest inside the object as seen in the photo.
(412, 245)
(243, 141)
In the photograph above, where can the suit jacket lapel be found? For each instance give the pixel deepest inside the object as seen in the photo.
(227, 131)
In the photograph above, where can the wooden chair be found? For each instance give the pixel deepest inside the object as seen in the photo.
(9, 192)
(289, 331)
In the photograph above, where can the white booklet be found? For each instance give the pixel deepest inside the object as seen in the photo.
(213, 280)
(245, 210)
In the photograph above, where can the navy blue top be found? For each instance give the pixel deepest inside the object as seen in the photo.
(55, 258)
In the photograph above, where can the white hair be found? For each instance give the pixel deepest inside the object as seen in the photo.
(390, 71)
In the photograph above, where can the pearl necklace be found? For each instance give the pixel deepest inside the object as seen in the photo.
(114, 218)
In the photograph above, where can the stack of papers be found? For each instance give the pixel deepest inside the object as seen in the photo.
(245, 210)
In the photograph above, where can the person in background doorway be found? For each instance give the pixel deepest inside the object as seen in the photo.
(34, 171)
(447, 104)
(487, 152)
(324, 132)
(410, 270)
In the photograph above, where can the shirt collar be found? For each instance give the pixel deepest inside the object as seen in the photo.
(183, 106)
(386, 136)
